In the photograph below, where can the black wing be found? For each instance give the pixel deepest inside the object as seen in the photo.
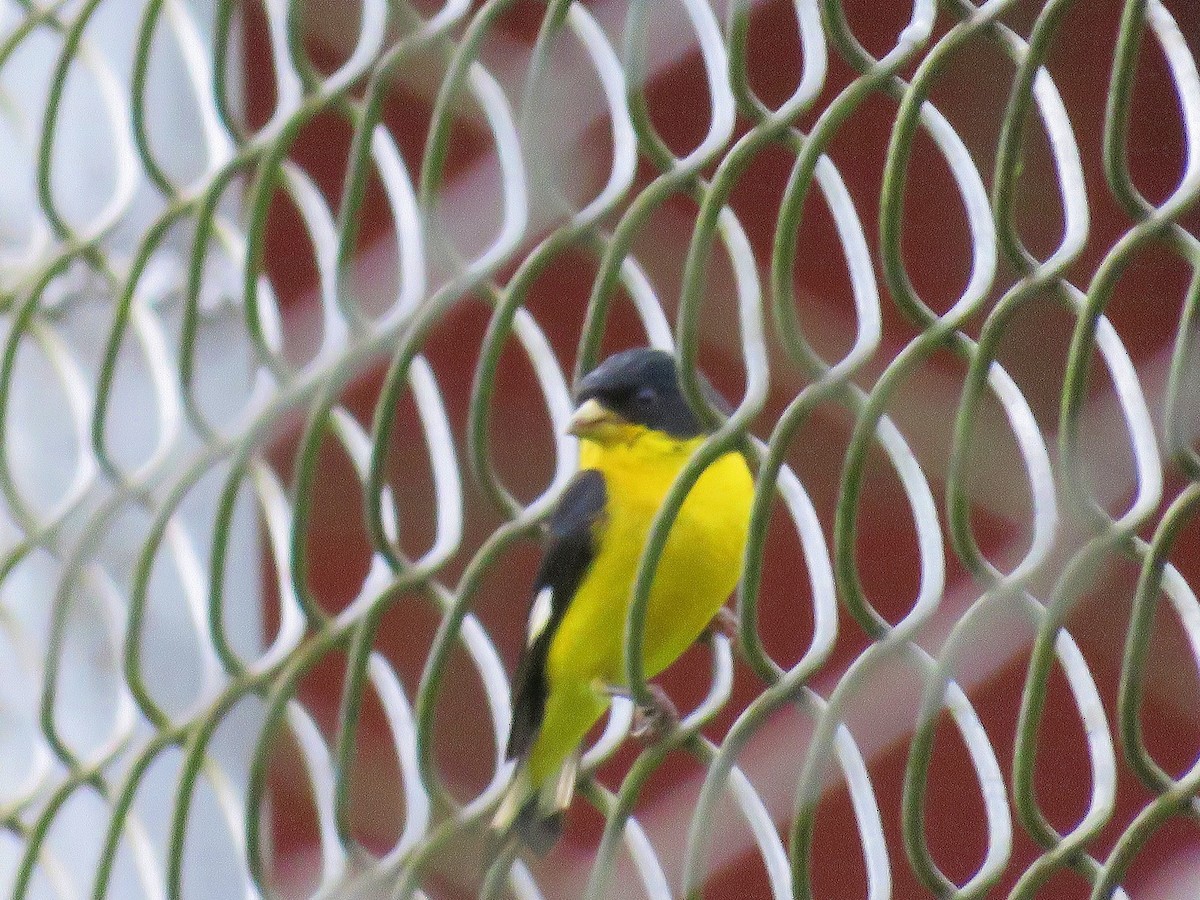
(569, 552)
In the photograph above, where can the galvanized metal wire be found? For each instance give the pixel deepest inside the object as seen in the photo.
(145, 371)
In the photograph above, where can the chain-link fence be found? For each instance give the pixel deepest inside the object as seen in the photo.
(291, 298)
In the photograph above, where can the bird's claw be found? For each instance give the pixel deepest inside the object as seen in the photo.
(724, 622)
(657, 719)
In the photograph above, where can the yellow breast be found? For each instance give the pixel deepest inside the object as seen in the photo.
(699, 568)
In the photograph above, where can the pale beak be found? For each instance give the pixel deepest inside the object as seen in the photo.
(590, 417)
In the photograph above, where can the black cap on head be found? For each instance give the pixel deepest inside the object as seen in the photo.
(642, 387)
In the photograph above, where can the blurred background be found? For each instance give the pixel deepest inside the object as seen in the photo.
(274, 59)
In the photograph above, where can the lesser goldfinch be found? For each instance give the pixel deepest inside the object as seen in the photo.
(636, 432)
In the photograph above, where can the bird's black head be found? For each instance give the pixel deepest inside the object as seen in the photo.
(642, 387)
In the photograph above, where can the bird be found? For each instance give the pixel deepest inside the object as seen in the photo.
(636, 432)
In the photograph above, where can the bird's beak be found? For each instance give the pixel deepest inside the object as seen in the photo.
(590, 418)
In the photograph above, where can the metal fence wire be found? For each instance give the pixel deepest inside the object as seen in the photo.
(277, 446)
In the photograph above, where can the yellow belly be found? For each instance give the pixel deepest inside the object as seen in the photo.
(699, 567)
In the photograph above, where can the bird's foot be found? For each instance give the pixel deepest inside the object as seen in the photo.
(724, 622)
(652, 721)
(657, 719)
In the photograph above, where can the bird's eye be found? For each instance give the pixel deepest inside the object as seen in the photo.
(646, 397)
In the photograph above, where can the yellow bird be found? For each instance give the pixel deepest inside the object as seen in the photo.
(636, 433)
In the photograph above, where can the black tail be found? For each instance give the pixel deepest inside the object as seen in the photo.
(536, 814)
(521, 815)
(537, 830)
